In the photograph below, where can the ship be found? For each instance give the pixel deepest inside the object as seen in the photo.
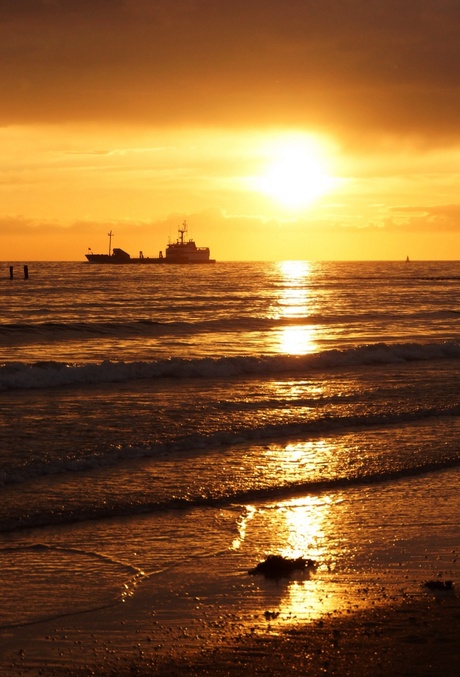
(182, 251)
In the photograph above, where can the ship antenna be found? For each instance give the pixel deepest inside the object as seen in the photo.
(110, 242)
(182, 231)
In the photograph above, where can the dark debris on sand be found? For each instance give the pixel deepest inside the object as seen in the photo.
(439, 585)
(277, 566)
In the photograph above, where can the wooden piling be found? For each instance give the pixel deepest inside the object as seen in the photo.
(11, 272)
(26, 272)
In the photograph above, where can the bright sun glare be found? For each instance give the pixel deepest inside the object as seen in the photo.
(295, 173)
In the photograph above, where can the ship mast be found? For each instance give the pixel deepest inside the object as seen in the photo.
(182, 231)
(110, 242)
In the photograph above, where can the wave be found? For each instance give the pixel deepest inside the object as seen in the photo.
(48, 374)
(227, 436)
(17, 334)
(125, 507)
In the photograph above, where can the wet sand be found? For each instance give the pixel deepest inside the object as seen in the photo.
(415, 638)
(363, 611)
(409, 640)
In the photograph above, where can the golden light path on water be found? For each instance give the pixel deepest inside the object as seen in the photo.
(295, 302)
(370, 546)
(297, 528)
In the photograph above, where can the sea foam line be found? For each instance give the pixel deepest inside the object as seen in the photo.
(20, 375)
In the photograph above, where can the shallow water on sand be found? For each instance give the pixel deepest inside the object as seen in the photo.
(373, 545)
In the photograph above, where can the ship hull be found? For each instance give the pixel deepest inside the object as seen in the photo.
(105, 259)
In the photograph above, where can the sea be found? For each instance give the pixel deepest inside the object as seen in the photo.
(165, 428)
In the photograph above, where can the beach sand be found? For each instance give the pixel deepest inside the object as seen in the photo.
(408, 640)
(414, 638)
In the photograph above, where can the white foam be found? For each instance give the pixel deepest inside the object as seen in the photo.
(21, 375)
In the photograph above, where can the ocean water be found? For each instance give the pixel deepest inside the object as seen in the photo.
(163, 429)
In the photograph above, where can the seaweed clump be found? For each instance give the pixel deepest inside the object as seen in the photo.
(439, 585)
(277, 566)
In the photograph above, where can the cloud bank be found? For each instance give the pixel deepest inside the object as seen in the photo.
(374, 66)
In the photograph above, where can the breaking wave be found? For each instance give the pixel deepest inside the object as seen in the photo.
(49, 374)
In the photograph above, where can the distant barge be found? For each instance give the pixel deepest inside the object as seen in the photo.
(181, 251)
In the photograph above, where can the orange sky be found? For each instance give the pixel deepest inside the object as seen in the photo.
(314, 129)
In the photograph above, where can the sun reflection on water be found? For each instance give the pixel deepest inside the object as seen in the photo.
(297, 340)
(306, 527)
(301, 525)
(294, 303)
(305, 524)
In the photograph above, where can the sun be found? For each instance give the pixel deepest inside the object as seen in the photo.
(295, 172)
